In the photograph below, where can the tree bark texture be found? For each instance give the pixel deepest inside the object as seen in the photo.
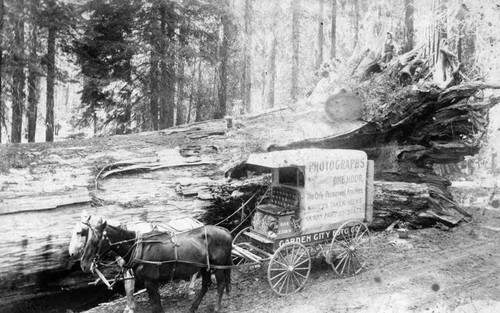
(181, 95)
(270, 99)
(18, 76)
(167, 72)
(33, 75)
(223, 58)
(246, 86)
(51, 76)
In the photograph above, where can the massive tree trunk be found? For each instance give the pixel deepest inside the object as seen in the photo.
(51, 76)
(18, 76)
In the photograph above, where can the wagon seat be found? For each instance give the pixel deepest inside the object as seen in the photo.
(279, 217)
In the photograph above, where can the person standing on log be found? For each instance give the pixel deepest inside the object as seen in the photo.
(388, 49)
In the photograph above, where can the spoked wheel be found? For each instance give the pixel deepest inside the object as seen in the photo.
(350, 248)
(289, 268)
(243, 260)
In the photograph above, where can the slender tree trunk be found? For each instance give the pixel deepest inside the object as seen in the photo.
(466, 42)
(223, 57)
(441, 27)
(163, 84)
(272, 73)
(51, 75)
(333, 38)
(191, 93)
(246, 90)
(199, 95)
(432, 34)
(179, 110)
(179, 116)
(184, 31)
(295, 48)
(409, 29)
(272, 59)
(443, 20)
(18, 76)
(319, 59)
(94, 117)
(167, 101)
(153, 84)
(356, 23)
(33, 75)
(2, 119)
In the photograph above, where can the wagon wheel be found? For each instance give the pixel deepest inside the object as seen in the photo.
(289, 268)
(350, 248)
(243, 264)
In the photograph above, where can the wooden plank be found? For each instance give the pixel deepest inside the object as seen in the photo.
(44, 201)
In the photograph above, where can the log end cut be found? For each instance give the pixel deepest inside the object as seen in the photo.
(344, 106)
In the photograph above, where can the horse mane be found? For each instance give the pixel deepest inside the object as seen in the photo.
(119, 232)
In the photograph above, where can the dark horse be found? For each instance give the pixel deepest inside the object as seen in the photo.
(160, 257)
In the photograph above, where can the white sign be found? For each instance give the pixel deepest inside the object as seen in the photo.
(335, 191)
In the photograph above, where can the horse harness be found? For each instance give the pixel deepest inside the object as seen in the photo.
(140, 240)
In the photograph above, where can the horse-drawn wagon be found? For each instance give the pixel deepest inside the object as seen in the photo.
(319, 203)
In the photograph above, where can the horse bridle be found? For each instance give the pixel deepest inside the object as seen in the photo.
(84, 232)
(100, 254)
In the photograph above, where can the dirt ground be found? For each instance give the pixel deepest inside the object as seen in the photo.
(434, 270)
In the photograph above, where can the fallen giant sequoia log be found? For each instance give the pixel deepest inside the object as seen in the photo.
(156, 176)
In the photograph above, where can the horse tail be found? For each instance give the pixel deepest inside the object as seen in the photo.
(227, 273)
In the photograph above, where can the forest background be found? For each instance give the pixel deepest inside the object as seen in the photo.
(80, 68)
